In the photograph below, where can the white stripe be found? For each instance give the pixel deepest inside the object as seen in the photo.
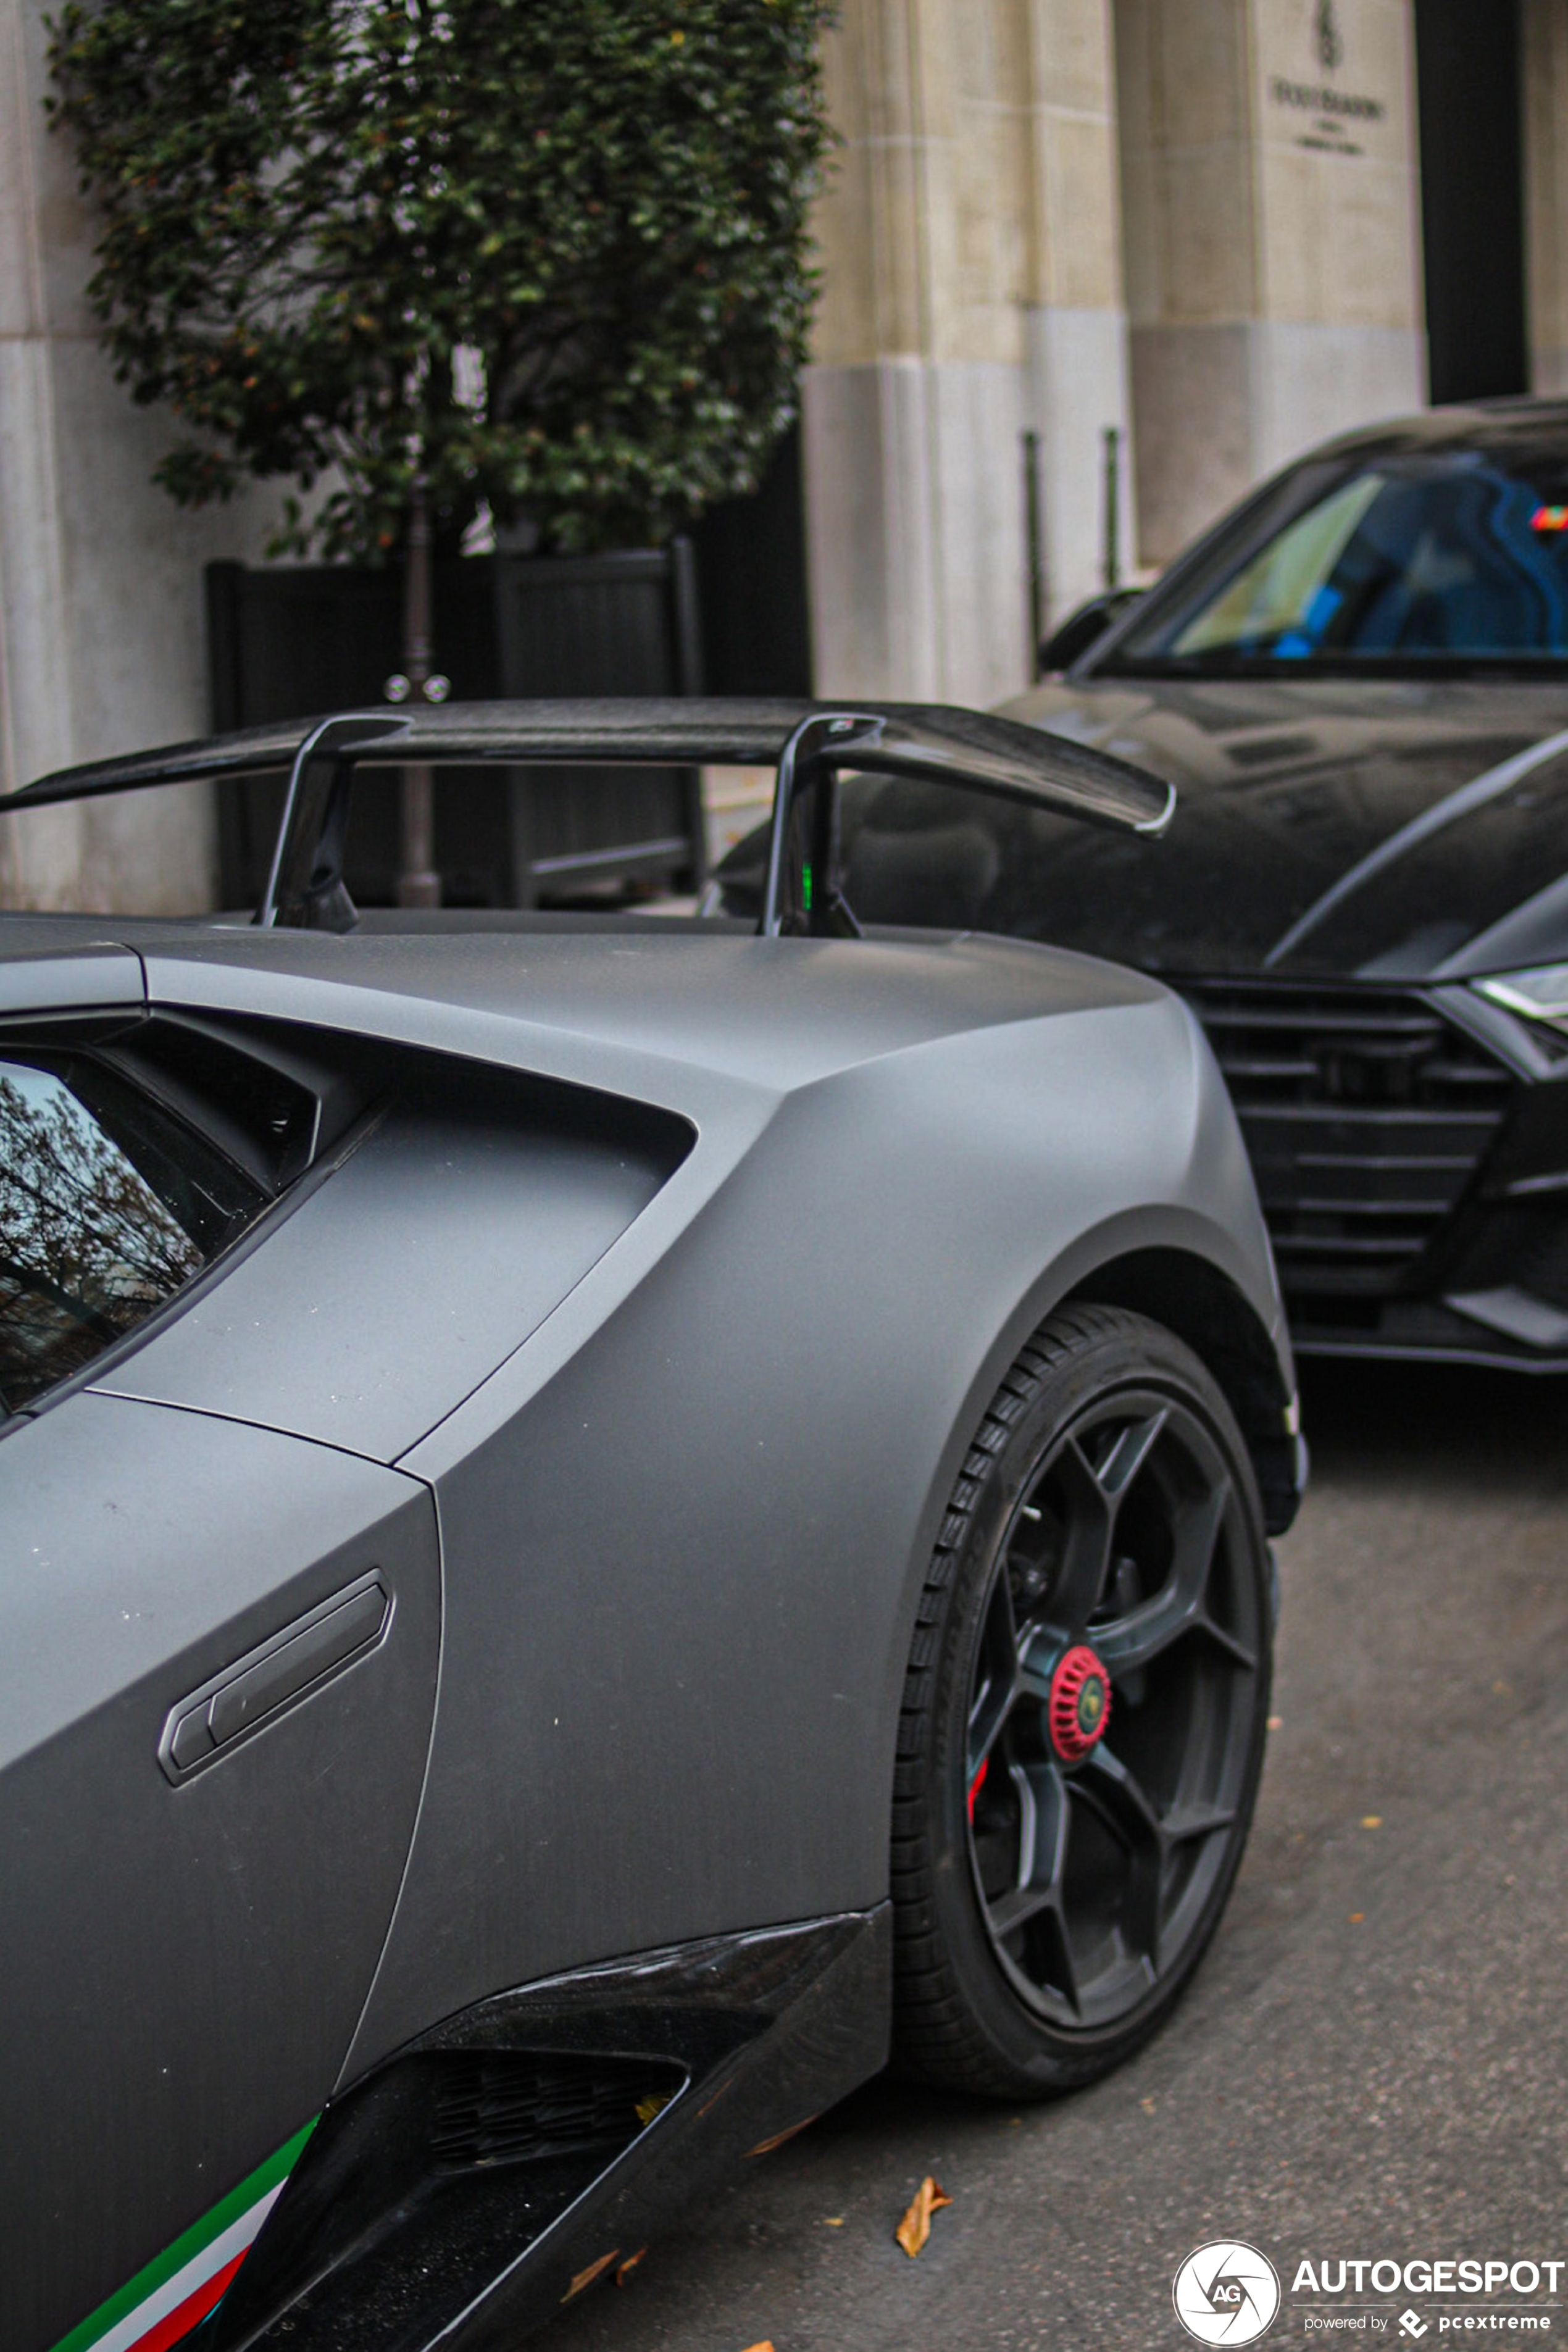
(237, 2239)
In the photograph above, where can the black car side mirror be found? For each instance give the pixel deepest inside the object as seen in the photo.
(1084, 626)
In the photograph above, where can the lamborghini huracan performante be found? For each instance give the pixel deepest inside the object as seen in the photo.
(606, 1519)
(1358, 684)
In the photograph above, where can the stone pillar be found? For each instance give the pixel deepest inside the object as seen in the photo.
(1074, 319)
(970, 290)
(1543, 44)
(1271, 203)
(101, 574)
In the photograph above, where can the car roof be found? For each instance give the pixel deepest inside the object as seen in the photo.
(1505, 426)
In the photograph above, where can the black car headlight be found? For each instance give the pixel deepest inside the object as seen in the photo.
(1539, 995)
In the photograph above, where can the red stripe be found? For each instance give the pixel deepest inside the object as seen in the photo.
(189, 2313)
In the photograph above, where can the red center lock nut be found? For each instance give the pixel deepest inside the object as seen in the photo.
(1078, 1708)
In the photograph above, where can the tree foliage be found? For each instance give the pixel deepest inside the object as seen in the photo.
(550, 254)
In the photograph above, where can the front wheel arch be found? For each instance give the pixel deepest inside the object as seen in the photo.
(1193, 1299)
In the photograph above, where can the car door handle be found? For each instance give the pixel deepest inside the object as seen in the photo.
(269, 1679)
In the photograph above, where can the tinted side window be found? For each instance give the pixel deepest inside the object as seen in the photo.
(109, 1205)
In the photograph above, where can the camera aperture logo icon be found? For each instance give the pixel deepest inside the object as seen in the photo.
(1225, 2292)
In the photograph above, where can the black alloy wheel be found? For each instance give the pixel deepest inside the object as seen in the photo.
(1084, 1713)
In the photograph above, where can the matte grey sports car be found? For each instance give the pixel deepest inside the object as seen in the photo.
(1358, 682)
(603, 1519)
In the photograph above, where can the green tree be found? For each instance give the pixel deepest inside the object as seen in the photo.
(550, 255)
(546, 254)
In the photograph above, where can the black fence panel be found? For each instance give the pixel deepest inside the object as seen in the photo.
(750, 578)
(600, 625)
(295, 641)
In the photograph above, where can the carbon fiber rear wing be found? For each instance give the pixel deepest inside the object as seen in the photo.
(810, 744)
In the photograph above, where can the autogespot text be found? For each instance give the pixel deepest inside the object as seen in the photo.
(1459, 2278)
(1426, 2278)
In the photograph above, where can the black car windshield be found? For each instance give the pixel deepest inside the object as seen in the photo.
(1411, 562)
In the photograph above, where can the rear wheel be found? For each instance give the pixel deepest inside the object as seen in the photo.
(1084, 1713)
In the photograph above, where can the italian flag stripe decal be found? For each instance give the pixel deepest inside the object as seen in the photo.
(181, 2285)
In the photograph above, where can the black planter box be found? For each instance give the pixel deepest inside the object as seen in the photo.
(291, 642)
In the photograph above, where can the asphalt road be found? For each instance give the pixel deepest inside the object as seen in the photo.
(1374, 2062)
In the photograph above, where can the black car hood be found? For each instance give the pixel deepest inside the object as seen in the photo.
(1387, 829)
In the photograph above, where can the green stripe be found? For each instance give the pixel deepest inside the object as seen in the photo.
(189, 2244)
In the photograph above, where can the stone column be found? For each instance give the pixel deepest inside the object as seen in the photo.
(1270, 186)
(971, 289)
(1075, 320)
(101, 574)
(1544, 45)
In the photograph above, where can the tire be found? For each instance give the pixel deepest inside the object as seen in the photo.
(1084, 1714)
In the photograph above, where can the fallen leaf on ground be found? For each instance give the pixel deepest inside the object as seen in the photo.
(624, 2270)
(654, 2105)
(1358, 1918)
(915, 2227)
(1371, 1820)
(833, 2221)
(765, 2346)
(766, 2147)
(586, 2278)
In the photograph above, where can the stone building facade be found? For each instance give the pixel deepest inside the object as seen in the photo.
(1200, 223)
(101, 574)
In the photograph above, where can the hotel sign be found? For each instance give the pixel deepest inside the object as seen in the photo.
(1329, 116)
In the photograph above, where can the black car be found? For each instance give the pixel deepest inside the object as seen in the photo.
(1359, 682)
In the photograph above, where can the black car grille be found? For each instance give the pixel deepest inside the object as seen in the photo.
(1365, 1114)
